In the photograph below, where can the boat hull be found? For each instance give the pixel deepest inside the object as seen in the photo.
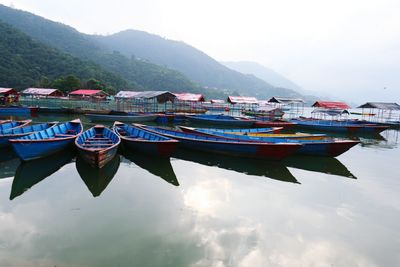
(98, 145)
(328, 147)
(136, 139)
(35, 149)
(228, 147)
(223, 122)
(122, 118)
(342, 128)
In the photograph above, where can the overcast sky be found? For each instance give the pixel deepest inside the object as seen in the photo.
(348, 48)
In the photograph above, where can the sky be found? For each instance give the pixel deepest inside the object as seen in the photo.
(344, 48)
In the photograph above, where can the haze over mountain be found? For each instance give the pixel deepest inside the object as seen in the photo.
(195, 64)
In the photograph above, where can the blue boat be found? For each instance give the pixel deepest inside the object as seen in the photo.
(221, 120)
(98, 145)
(22, 131)
(326, 147)
(47, 142)
(140, 140)
(236, 130)
(8, 124)
(125, 118)
(15, 111)
(340, 126)
(233, 147)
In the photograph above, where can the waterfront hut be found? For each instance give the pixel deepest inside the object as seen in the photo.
(330, 108)
(42, 92)
(8, 95)
(188, 102)
(292, 106)
(88, 94)
(380, 112)
(145, 101)
(240, 103)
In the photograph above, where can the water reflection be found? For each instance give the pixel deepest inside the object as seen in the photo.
(32, 172)
(160, 167)
(9, 162)
(326, 165)
(258, 167)
(97, 179)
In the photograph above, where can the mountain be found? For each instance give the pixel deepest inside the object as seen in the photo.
(24, 61)
(195, 64)
(141, 75)
(263, 73)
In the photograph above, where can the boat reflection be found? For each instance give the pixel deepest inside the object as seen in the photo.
(258, 167)
(326, 165)
(32, 172)
(97, 179)
(158, 166)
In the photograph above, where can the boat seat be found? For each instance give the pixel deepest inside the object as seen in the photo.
(98, 138)
(96, 145)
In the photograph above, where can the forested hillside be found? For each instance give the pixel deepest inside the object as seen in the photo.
(140, 74)
(25, 62)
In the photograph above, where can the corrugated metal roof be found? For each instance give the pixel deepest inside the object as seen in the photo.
(189, 97)
(242, 100)
(285, 100)
(331, 104)
(39, 91)
(381, 105)
(143, 94)
(87, 92)
(7, 90)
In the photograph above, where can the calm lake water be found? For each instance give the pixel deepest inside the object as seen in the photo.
(203, 210)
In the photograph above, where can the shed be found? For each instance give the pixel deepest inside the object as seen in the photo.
(189, 97)
(44, 92)
(88, 94)
(242, 100)
(330, 105)
(381, 105)
(285, 100)
(8, 91)
(8, 95)
(159, 96)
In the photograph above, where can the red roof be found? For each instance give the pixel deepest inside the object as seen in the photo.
(8, 91)
(331, 104)
(189, 97)
(87, 92)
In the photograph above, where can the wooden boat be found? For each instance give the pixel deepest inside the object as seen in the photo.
(15, 110)
(32, 172)
(122, 118)
(341, 126)
(98, 145)
(8, 124)
(304, 136)
(274, 123)
(233, 147)
(238, 130)
(48, 141)
(97, 179)
(140, 140)
(326, 147)
(221, 120)
(23, 131)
